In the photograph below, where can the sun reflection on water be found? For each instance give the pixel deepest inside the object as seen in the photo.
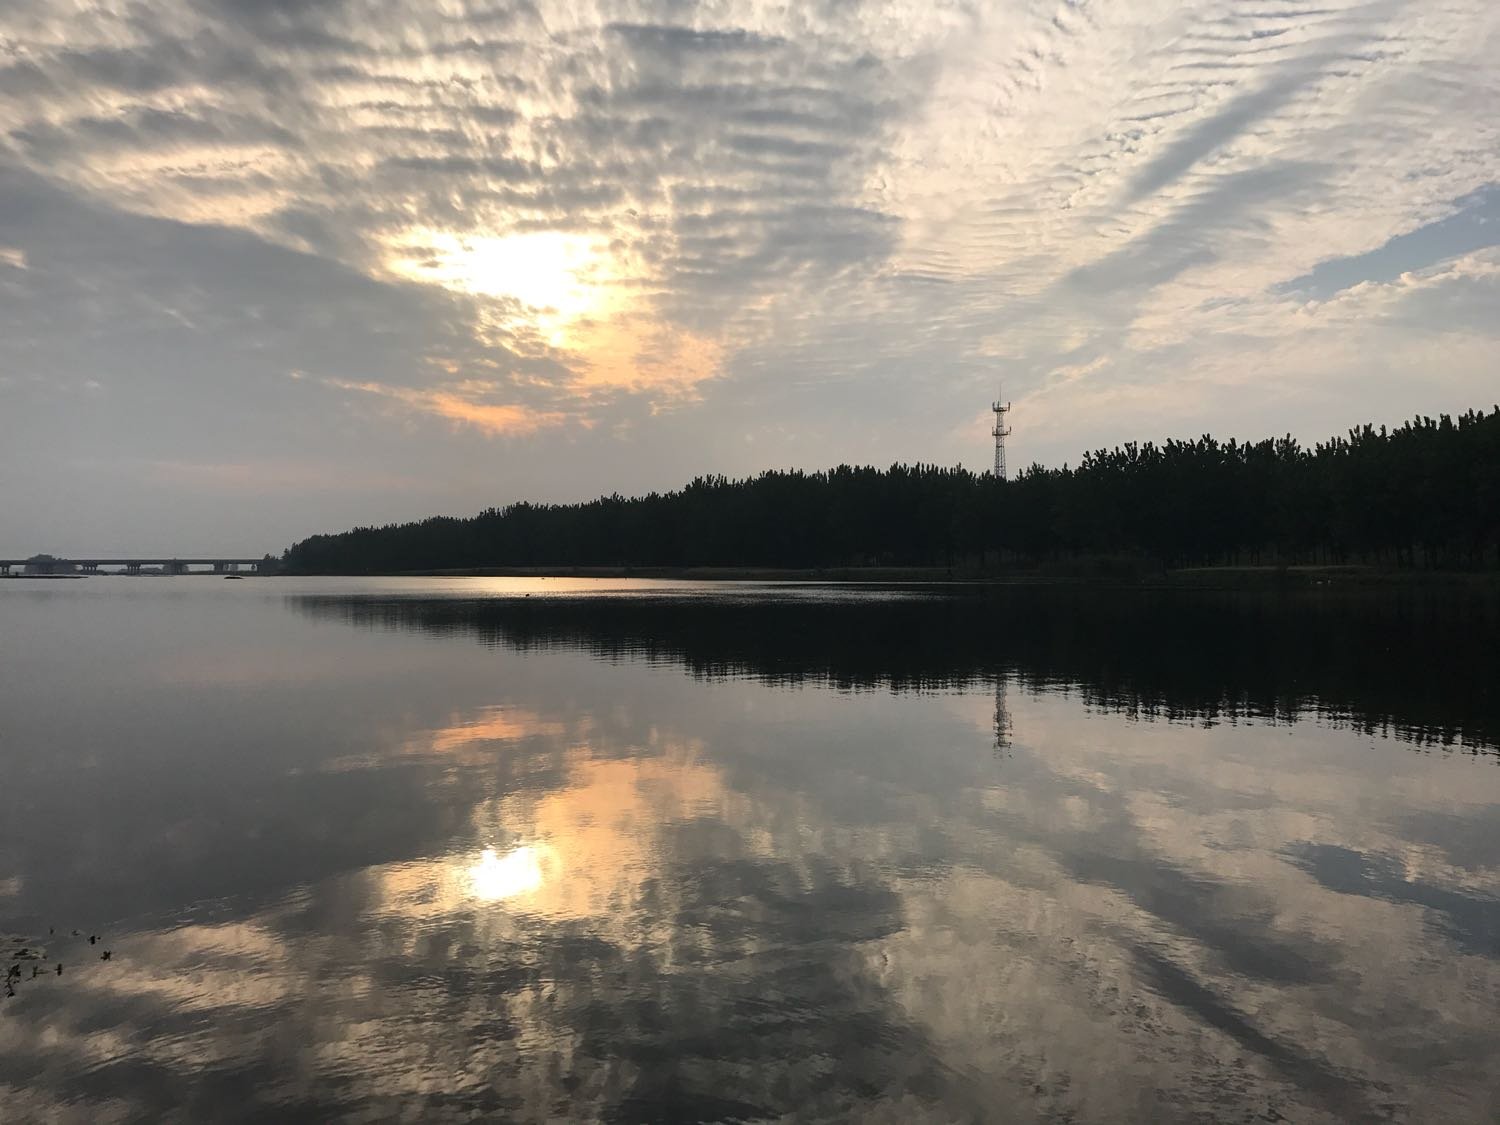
(518, 872)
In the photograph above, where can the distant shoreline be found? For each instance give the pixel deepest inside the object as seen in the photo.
(1223, 577)
(1102, 573)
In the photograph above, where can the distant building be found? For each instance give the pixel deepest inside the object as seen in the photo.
(48, 564)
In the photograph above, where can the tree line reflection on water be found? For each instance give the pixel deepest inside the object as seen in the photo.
(1421, 666)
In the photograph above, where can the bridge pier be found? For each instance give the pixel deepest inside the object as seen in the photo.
(5, 569)
(132, 568)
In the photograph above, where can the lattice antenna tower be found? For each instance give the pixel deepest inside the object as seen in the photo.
(1001, 432)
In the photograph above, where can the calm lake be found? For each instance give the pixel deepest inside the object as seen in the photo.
(524, 849)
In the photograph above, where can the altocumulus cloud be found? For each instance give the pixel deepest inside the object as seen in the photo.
(556, 249)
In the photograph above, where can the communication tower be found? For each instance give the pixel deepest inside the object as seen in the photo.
(1001, 432)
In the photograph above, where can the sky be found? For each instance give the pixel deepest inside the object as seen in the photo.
(274, 267)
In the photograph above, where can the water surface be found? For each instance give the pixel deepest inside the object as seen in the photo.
(637, 851)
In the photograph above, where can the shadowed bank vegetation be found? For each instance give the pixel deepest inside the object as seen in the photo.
(1425, 495)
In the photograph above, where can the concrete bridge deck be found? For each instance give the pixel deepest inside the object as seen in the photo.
(91, 564)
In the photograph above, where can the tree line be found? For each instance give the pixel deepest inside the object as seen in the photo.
(1425, 494)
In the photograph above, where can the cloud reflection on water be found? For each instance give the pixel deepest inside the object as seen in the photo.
(727, 896)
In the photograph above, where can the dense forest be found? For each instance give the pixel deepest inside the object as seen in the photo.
(1426, 494)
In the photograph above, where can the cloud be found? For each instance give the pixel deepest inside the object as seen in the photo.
(465, 403)
(1204, 138)
(908, 201)
(1192, 234)
(268, 477)
(1474, 225)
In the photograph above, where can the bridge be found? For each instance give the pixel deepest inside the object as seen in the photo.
(91, 564)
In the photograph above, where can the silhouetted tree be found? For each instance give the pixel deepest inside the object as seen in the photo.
(1424, 495)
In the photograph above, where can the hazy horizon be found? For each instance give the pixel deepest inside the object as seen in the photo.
(270, 268)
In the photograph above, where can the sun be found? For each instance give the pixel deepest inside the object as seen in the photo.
(558, 275)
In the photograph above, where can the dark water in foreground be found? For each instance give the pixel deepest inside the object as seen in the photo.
(437, 850)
